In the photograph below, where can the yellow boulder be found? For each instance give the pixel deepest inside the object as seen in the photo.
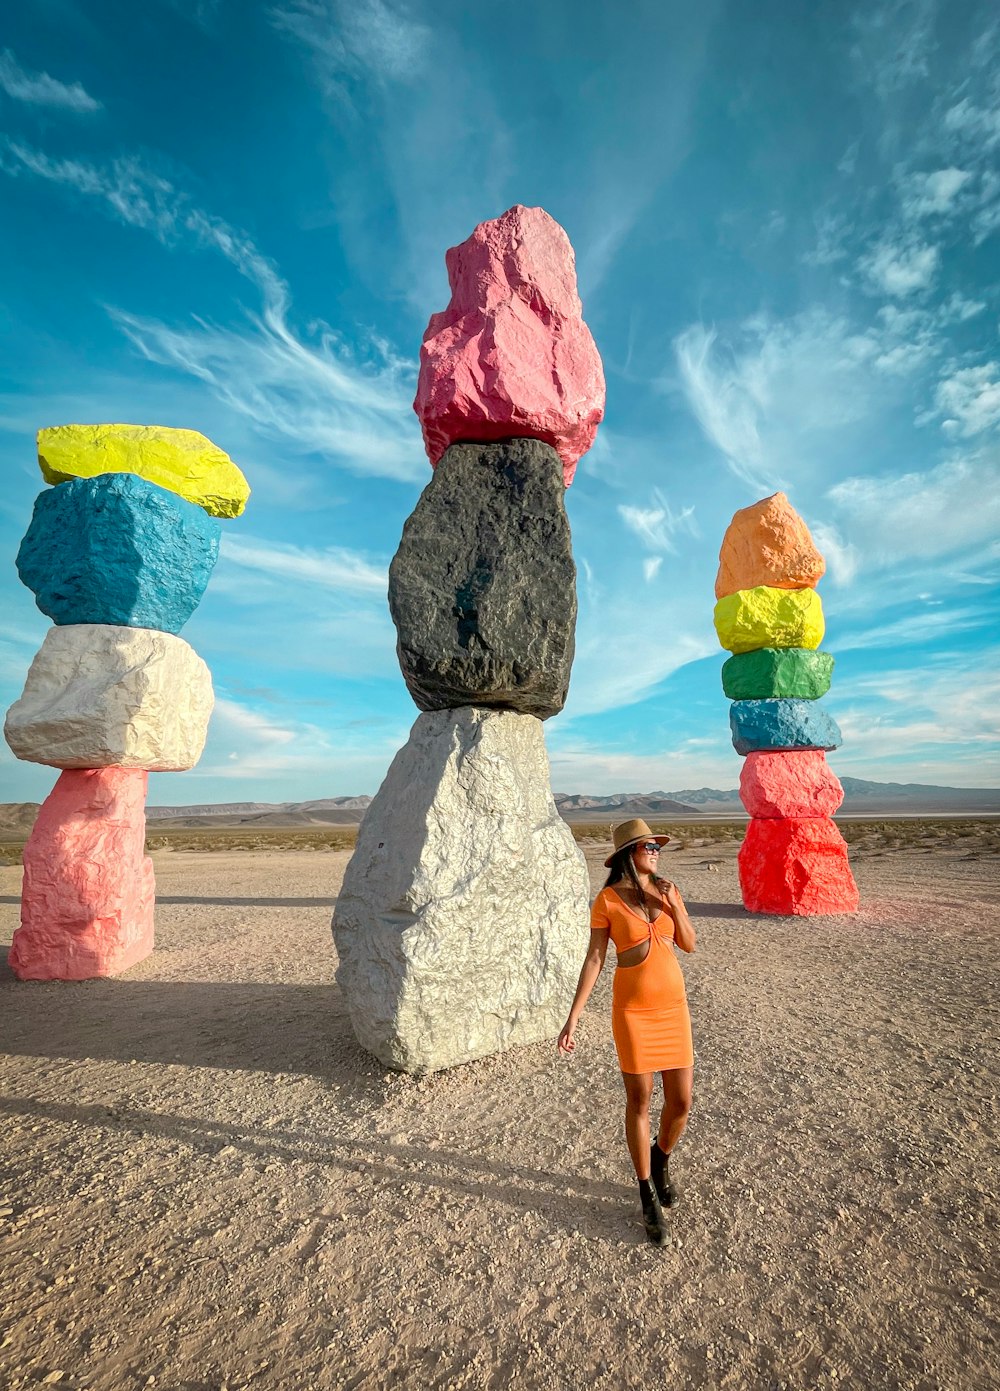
(766, 617)
(182, 461)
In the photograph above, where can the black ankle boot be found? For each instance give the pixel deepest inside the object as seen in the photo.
(659, 1168)
(652, 1215)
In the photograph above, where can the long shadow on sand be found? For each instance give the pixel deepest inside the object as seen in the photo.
(468, 1175)
(718, 910)
(242, 1025)
(227, 900)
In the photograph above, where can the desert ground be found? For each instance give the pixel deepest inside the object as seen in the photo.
(206, 1184)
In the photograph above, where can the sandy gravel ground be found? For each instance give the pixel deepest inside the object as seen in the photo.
(205, 1184)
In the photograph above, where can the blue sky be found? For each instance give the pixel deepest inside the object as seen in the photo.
(232, 216)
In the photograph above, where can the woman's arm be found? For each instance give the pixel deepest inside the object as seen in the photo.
(684, 933)
(593, 965)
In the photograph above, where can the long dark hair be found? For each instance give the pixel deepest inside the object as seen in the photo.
(622, 867)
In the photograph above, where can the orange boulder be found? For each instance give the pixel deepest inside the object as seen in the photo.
(768, 544)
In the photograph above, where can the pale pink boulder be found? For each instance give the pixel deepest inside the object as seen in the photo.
(511, 356)
(768, 543)
(789, 782)
(796, 866)
(88, 891)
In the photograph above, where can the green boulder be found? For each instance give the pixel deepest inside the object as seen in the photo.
(780, 672)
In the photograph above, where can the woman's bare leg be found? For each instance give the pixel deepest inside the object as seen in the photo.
(638, 1092)
(677, 1085)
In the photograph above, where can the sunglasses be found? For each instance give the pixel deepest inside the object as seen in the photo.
(650, 847)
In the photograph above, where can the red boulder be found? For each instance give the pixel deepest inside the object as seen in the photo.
(88, 891)
(796, 866)
(789, 782)
(511, 356)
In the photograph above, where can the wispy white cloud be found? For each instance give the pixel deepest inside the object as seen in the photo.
(894, 42)
(261, 728)
(932, 194)
(656, 524)
(950, 509)
(842, 559)
(913, 630)
(977, 124)
(775, 388)
(651, 567)
(969, 400)
(914, 712)
(39, 89)
(315, 393)
(726, 402)
(334, 567)
(901, 267)
(257, 745)
(348, 39)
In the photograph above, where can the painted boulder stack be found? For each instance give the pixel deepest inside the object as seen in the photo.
(118, 554)
(770, 617)
(458, 925)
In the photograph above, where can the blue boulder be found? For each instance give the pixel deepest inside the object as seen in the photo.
(781, 724)
(116, 549)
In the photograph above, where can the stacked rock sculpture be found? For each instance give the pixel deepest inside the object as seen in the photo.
(458, 925)
(793, 859)
(118, 555)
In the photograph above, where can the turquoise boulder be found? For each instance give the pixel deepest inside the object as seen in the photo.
(116, 549)
(782, 672)
(781, 724)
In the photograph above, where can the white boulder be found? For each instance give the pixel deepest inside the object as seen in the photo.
(463, 918)
(98, 696)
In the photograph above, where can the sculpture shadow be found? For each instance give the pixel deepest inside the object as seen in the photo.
(719, 910)
(572, 1201)
(235, 1025)
(227, 900)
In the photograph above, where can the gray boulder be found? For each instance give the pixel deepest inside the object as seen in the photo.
(463, 918)
(483, 587)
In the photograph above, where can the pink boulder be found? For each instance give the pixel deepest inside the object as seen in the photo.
(87, 897)
(793, 782)
(511, 355)
(797, 866)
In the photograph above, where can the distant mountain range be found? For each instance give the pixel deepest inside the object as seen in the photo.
(862, 798)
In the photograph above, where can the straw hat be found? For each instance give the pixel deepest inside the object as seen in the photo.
(629, 833)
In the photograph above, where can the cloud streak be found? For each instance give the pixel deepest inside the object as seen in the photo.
(316, 394)
(39, 89)
(334, 567)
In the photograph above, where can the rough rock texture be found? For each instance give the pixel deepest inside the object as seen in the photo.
(97, 696)
(797, 867)
(463, 915)
(511, 355)
(117, 549)
(766, 617)
(182, 461)
(770, 544)
(87, 896)
(483, 587)
(789, 782)
(777, 671)
(781, 724)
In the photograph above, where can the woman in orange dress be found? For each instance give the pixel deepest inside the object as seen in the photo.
(644, 915)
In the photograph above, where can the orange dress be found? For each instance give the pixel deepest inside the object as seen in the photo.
(649, 1012)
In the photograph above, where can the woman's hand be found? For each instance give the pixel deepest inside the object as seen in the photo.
(567, 1043)
(670, 892)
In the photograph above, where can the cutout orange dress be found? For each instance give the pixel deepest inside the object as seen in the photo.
(649, 1011)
